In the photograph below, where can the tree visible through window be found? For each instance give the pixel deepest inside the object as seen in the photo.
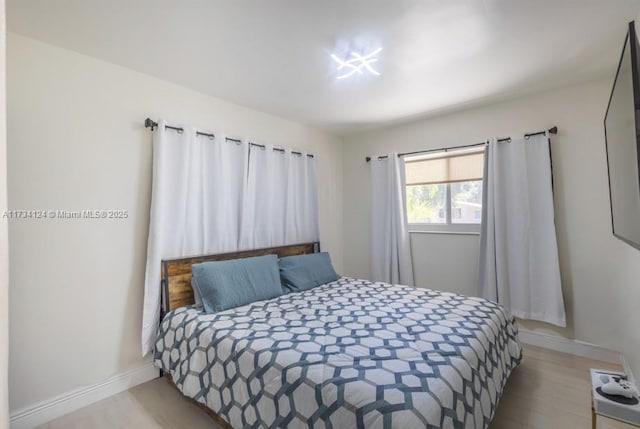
(445, 188)
(466, 202)
(427, 203)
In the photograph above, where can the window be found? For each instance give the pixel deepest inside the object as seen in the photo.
(444, 191)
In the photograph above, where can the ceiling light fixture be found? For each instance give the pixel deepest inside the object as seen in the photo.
(356, 64)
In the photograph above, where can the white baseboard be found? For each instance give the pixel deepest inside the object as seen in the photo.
(42, 412)
(566, 345)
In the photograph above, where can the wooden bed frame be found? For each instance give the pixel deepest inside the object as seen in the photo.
(176, 273)
(177, 292)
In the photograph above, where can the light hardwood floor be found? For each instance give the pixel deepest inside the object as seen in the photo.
(548, 390)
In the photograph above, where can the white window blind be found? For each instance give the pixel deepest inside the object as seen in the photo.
(458, 166)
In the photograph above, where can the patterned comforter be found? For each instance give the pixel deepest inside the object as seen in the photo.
(348, 354)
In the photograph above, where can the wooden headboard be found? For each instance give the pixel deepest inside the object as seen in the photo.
(176, 273)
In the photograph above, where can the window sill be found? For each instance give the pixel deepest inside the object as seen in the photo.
(413, 231)
(443, 228)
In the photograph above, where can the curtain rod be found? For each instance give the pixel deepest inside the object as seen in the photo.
(552, 130)
(149, 123)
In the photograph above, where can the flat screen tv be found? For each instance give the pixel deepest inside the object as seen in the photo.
(622, 137)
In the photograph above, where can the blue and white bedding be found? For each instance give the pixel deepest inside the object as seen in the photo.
(348, 354)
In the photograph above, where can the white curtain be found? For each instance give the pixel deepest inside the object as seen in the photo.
(213, 195)
(519, 265)
(302, 206)
(281, 205)
(390, 246)
(196, 201)
(263, 222)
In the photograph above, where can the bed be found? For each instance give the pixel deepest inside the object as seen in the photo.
(347, 354)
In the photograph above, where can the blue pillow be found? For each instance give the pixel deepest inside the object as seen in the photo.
(303, 272)
(228, 284)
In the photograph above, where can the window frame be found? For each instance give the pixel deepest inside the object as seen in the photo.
(443, 228)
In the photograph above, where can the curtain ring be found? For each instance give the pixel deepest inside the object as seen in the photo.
(526, 136)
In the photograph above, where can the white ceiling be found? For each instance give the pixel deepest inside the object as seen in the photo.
(274, 55)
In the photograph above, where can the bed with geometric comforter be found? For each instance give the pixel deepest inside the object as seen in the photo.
(348, 354)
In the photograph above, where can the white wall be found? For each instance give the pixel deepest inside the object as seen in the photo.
(77, 141)
(599, 272)
(4, 238)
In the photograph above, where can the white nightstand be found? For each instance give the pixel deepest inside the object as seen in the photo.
(609, 413)
(608, 423)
